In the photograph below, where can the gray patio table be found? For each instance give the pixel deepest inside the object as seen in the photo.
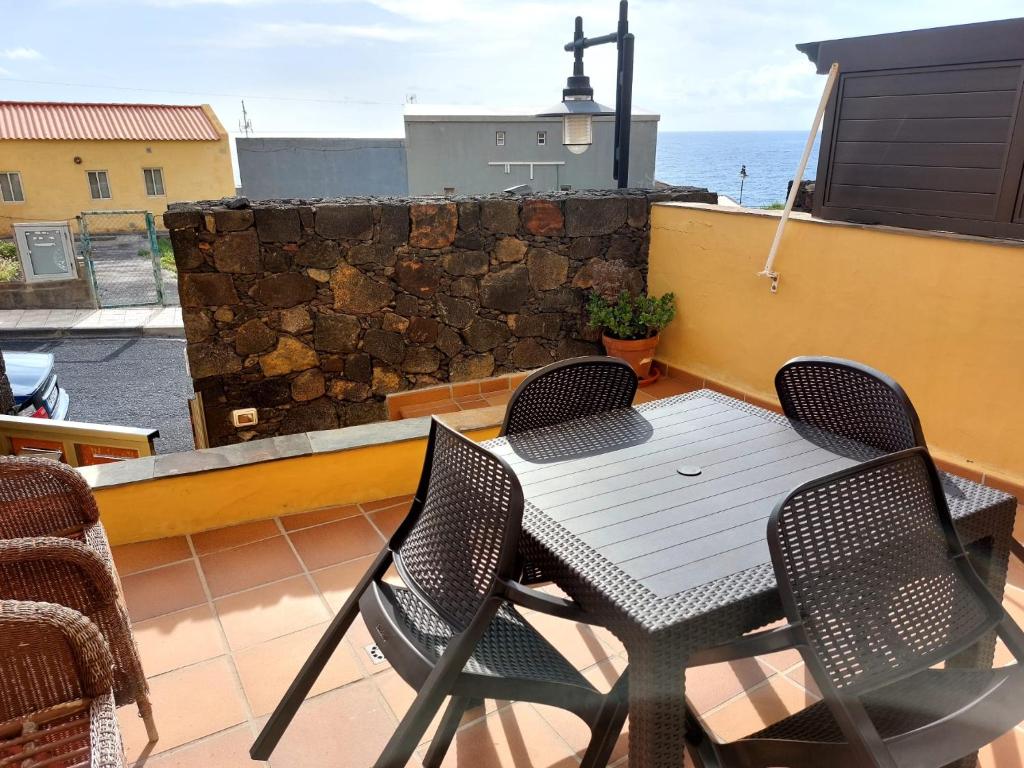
(673, 563)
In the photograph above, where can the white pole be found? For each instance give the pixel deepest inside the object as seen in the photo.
(833, 73)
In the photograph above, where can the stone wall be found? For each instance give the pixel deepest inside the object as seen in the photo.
(314, 311)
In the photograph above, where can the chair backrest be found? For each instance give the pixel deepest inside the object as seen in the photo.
(581, 386)
(40, 497)
(849, 399)
(870, 566)
(462, 531)
(49, 655)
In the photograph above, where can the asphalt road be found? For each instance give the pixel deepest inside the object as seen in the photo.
(136, 382)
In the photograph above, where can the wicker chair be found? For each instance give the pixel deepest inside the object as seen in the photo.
(70, 573)
(453, 630)
(582, 386)
(878, 590)
(40, 497)
(849, 399)
(56, 703)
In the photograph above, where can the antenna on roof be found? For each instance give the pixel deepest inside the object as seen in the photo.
(245, 124)
(410, 98)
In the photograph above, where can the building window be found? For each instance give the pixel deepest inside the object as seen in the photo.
(99, 187)
(542, 138)
(10, 187)
(499, 138)
(154, 181)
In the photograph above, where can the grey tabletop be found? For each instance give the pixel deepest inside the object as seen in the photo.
(654, 519)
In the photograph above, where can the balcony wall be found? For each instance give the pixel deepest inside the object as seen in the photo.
(313, 312)
(940, 313)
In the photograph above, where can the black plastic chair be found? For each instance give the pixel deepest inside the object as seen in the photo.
(571, 389)
(878, 590)
(849, 399)
(452, 629)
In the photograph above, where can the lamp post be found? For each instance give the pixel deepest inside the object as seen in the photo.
(578, 107)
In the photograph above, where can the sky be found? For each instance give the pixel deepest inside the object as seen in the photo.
(346, 67)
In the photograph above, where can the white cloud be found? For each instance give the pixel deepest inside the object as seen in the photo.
(316, 34)
(20, 54)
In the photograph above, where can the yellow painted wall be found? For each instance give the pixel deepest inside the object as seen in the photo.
(56, 189)
(943, 315)
(202, 501)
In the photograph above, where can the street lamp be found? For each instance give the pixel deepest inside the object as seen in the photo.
(578, 107)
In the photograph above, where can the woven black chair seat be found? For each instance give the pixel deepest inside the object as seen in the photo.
(915, 702)
(510, 648)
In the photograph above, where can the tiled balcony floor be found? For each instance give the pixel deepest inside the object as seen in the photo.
(225, 618)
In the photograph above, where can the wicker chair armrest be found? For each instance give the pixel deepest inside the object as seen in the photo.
(18, 471)
(50, 548)
(43, 627)
(534, 600)
(757, 644)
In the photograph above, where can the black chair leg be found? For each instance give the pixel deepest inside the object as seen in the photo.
(296, 693)
(607, 726)
(446, 731)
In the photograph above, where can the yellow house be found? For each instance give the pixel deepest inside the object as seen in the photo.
(58, 159)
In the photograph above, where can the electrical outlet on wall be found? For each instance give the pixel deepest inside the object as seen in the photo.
(244, 417)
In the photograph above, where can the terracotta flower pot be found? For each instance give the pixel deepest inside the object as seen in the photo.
(639, 353)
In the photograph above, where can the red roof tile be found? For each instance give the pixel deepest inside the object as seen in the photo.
(138, 122)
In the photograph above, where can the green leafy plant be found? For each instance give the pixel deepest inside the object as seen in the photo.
(631, 317)
(166, 254)
(10, 267)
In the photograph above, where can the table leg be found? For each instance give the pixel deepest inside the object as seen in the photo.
(657, 704)
(990, 557)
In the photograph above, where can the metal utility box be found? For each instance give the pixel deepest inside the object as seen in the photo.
(46, 250)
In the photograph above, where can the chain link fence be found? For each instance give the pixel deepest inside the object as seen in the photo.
(130, 264)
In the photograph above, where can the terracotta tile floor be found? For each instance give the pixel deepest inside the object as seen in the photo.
(664, 387)
(225, 618)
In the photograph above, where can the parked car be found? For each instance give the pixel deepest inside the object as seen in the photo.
(35, 387)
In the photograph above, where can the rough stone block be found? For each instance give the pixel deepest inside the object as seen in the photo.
(278, 225)
(609, 278)
(384, 345)
(417, 277)
(228, 220)
(448, 341)
(510, 249)
(198, 324)
(506, 290)
(322, 254)
(393, 322)
(455, 312)
(637, 212)
(310, 417)
(308, 385)
(501, 216)
(336, 333)
(422, 330)
(548, 270)
(358, 367)
(548, 325)
(285, 290)
(252, 337)
(469, 367)
(212, 359)
(349, 390)
(185, 244)
(295, 320)
(354, 414)
(394, 224)
(345, 221)
(625, 249)
(421, 360)
(576, 348)
(433, 224)
(484, 335)
(466, 263)
(469, 215)
(529, 353)
(470, 241)
(183, 219)
(372, 254)
(542, 217)
(355, 292)
(586, 216)
(289, 356)
(207, 289)
(238, 252)
(466, 287)
(385, 380)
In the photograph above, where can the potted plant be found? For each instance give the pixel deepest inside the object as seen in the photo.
(631, 326)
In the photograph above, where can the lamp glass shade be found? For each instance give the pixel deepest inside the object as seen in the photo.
(577, 132)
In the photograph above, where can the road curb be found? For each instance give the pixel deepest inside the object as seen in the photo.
(33, 334)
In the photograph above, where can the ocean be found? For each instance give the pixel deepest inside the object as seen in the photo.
(713, 159)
